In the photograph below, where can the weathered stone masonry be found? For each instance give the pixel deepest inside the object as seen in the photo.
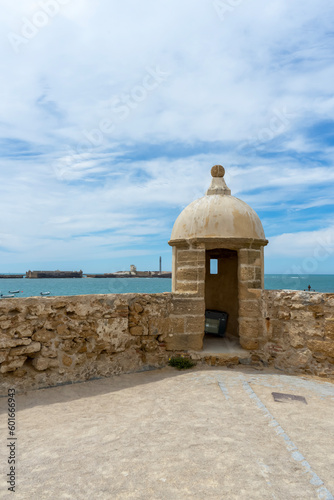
(298, 331)
(45, 341)
(189, 272)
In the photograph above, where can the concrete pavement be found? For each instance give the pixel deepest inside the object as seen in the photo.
(206, 433)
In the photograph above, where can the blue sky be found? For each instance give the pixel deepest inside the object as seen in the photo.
(114, 112)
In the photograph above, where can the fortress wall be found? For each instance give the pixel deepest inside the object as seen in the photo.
(50, 340)
(298, 331)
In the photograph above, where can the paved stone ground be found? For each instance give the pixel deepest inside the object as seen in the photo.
(208, 433)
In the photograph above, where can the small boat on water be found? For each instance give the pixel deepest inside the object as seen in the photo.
(16, 291)
(45, 293)
(7, 296)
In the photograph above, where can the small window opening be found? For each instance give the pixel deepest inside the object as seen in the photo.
(213, 266)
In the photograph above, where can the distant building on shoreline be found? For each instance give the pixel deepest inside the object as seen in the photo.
(133, 273)
(53, 274)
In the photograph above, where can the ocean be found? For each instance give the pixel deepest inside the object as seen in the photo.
(87, 286)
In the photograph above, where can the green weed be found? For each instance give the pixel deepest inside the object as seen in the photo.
(181, 363)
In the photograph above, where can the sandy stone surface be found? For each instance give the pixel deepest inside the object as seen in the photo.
(208, 433)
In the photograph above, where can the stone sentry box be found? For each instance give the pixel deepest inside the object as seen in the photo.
(218, 245)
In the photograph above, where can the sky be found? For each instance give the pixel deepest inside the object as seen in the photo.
(113, 113)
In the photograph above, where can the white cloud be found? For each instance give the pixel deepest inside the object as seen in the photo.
(225, 77)
(257, 78)
(317, 244)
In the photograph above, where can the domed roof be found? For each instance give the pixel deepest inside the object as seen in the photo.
(217, 215)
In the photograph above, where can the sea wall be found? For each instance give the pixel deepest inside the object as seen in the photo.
(50, 340)
(297, 330)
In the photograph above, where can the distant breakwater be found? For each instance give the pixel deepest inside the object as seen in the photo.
(79, 274)
(143, 274)
(11, 276)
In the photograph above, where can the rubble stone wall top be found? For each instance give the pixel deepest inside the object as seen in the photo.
(45, 341)
(49, 340)
(298, 331)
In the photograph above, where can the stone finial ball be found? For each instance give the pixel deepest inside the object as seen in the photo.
(218, 171)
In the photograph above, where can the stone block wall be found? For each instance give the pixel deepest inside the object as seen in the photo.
(297, 331)
(189, 269)
(45, 341)
(250, 280)
(189, 274)
(251, 267)
(49, 340)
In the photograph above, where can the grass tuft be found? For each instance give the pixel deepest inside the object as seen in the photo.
(181, 363)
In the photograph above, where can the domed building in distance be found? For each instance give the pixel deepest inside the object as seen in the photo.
(218, 245)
